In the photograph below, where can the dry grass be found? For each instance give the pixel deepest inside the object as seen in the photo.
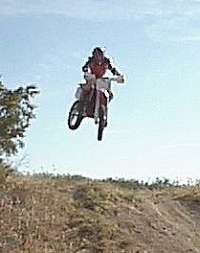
(61, 214)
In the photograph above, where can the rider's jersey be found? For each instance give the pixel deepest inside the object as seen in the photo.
(98, 68)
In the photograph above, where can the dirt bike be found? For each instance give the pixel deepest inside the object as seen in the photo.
(96, 107)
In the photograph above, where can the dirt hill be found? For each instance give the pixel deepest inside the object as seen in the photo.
(43, 214)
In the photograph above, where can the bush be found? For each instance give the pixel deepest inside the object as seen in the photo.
(16, 111)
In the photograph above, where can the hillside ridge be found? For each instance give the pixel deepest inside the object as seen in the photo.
(73, 215)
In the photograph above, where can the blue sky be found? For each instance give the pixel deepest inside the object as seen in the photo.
(154, 123)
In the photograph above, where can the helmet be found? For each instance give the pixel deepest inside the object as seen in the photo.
(97, 50)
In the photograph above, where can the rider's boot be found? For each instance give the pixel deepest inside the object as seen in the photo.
(81, 106)
(96, 120)
(105, 121)
(83, 103)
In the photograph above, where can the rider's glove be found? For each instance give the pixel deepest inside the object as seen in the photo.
(89, 76)
(120, 79)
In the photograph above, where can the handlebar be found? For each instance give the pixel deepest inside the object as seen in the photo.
(118, 79)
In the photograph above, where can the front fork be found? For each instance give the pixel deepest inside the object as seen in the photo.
(97, 106)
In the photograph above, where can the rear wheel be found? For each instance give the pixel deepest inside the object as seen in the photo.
(75, 116)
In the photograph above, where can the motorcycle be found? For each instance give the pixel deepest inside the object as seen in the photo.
(96, 107)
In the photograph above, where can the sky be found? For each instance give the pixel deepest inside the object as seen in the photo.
(154, 119)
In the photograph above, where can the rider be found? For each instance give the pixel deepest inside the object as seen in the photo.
(95, 68)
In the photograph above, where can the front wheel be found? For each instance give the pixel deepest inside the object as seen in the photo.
(75, 116)
(102, 122)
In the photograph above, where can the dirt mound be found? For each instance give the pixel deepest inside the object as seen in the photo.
(64, 215)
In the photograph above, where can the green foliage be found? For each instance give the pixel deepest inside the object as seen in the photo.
(158, 183)
(5, 171)
(126, 183)
(16, 111)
